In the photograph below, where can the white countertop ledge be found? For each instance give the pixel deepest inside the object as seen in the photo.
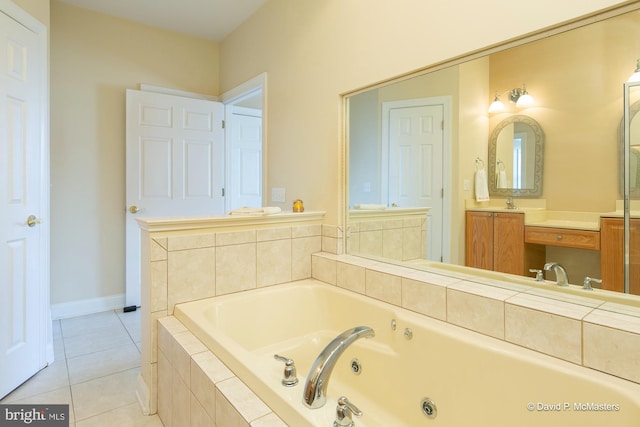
(170, 223)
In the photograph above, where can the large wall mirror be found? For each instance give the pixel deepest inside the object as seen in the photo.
(436, 124)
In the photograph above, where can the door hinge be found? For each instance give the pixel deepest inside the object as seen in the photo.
(223, 124)
(442, 125)
(223, 192)
(442, 192)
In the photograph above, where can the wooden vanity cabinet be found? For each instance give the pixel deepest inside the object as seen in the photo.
(495, 241)
(612, 254)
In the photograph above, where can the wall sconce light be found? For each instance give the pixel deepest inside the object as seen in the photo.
(518, 96)
(635, 77)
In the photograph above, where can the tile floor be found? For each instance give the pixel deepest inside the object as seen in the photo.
(97, 361)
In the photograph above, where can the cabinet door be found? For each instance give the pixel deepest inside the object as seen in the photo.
(612, 255)
(508, 245)
(479, 240)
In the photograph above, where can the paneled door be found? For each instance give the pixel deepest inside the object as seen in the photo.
(244, 141)
(24, 289)
(175, 165)
(416, 143)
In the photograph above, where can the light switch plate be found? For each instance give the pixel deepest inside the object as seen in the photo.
(277, 194)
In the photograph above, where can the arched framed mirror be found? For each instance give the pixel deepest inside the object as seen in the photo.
(516, 157)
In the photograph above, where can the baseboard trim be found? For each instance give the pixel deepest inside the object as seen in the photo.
(86, 306)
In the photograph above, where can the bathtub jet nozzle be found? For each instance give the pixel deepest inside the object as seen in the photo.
(315, 386)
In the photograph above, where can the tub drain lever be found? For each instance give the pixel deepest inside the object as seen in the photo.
(290, 376)
(344, 410)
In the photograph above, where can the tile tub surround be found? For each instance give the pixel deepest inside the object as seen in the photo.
(190, 259)
(196, 388)
(598, 335)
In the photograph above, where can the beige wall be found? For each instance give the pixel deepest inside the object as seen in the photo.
(94, 58)
(39, 9)
(314, 51)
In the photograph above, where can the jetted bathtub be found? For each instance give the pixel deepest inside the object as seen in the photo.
(472, 380)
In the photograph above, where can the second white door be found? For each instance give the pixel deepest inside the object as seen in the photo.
(175, 165)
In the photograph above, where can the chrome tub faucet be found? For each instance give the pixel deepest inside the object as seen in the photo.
(561, 273)
(315, 386)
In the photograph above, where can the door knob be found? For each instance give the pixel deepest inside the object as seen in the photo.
(134, 209)
(32, 221)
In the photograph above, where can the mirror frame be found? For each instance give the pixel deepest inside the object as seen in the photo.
(536, 191)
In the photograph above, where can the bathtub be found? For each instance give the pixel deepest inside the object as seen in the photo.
(473, 380)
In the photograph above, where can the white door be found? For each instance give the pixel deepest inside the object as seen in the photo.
(416, 139)
(24, 300)
(245, 157)
(175, 165)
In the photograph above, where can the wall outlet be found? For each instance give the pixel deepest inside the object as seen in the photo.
(277, 194)
(466, 185)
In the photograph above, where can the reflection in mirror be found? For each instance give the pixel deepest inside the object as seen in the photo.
(634, 152)
(576, 73)
(516, 153)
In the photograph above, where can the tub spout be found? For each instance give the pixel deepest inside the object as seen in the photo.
(315, 386)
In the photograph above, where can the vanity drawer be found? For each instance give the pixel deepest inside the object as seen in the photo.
(570, 238)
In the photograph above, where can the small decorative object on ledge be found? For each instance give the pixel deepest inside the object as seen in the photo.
(298, 206)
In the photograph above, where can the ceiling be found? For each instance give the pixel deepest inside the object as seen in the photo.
(208, 19)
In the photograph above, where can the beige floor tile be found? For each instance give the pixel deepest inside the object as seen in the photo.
(82, 325)
(96, 340)
(126, 416)
(51, 378)
(103, 394)
(132, 324)
(101, 363)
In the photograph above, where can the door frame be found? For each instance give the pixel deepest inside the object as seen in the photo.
(46, 353)
(445, 101)
(235, 96)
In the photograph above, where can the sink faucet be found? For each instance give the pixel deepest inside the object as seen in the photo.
(315, 386)
(510, 203)
(561, 273)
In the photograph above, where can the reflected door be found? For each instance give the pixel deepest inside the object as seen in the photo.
(416, 139)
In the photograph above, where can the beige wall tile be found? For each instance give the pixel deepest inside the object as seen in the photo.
(192, 241)
(180, 403)
(184, 346)
(243, 400)
(274, 262)
(478, 313)
(371, 242)
(424, 298)
(267, 234)
(392, 243)
(226, 414)
(235, 268)
(306, 231)
(236, 237)
(199, 417)
(612, 351)
(167, 328)
(270, 420)
(351, 277)
(412, 239)
(383, 286)
(324, 269)
(165, 387)
(157, 251)
(158, 286)
(562, 336)
(192, 275)
(301, 250)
